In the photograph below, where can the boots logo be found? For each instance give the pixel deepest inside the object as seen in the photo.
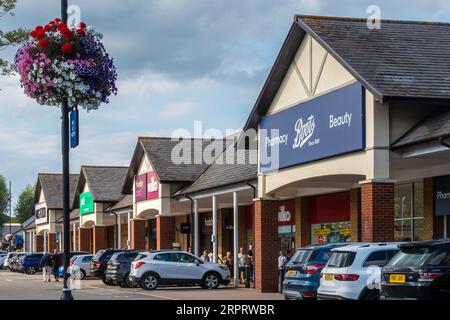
(304, 131)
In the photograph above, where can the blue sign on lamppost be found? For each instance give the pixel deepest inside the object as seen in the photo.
(74, 128)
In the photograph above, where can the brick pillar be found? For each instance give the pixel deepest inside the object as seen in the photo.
(100, 238)
(266, 245)
(138, 234)
(165, 232)
(377, 211)
(38, 243)
(84, 239)
(51, 242)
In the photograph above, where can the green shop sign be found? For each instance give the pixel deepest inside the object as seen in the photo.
(86, 203)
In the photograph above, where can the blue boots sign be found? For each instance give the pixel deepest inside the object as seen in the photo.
(328, 125)
(442, 196)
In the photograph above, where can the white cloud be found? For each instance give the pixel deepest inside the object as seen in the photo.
(177, 109)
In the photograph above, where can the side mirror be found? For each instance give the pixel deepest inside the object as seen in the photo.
(197, 263)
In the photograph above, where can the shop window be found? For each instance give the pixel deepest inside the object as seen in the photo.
(409, 213)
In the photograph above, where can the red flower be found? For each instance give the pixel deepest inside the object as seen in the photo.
(40, 34)
(33, 34)
(57, 20)
(62, 25)
(43, 43)
(38, 28)
(47, 27)
(82, 25)
(66, 33)
(81, 32)
(66, 47)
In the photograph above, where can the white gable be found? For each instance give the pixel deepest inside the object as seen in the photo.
(312, 72)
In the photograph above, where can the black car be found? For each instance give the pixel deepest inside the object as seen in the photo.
(421, 270)
(99, 263)
(118, 268)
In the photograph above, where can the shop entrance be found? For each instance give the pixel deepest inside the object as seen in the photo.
(330, 218)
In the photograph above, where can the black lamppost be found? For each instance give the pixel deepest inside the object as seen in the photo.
(66, 293)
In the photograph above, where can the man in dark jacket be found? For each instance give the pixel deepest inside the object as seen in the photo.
(56, 263)
(46, 265)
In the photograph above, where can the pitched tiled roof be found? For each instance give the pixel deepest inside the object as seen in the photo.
(74, 214)
(431, 128)
(105, 183)
(126, 202)
(404, 60)
(29, 223)
(51, 184)
(241, 167)
(171, 166)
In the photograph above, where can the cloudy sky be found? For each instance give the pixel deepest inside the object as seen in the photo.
(178, 61)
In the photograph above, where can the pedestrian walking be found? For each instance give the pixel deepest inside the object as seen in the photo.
(282, 260)
(56, 263)
(228, 261)
(251, 259)
(205, 256)
(46, 266)
(242, 257)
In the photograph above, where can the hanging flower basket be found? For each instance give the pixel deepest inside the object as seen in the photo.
(61, 62)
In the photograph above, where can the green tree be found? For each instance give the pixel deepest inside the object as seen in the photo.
(25, 204)
(4, 198)
(11, 37)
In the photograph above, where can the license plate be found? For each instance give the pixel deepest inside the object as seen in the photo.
(397, 278)
(329, 277)
(292, 273)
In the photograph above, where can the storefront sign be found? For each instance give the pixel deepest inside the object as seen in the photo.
(442, 196)
(326, 126)
(286, 216)
(40, 213)
(185, 228)
(74, 129)
(86, 203)
(152, 186)
(140, 187)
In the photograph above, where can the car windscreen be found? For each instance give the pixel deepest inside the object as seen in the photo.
(98, 255)
(412, 256)
(341, 259)
(302, 256)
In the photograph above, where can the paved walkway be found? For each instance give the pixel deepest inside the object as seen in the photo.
(18, 286)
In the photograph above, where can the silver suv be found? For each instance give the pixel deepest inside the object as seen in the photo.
(173, 267)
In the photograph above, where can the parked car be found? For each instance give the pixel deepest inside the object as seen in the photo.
(302, 277)
(79, 265)
(99, 263)
(15, 261)
(8, 259)
(71, 255)
(421, 270)
(29, 263)
(173, 267)
(354, 271)
(2, 258)
(119, 266)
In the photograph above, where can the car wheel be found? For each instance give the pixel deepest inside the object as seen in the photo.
(126, 283)
(30, 270)
(149, 281)
(211, 281)
(372, 295)
(106, 281)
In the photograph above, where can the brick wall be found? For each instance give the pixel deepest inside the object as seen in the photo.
(84, 239)
(165, 232)
(377, 212)
(266, 245)
(38, 243)
(138, 234)
(51, 242)
(100, 238)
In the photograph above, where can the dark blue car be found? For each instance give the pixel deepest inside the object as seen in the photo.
(302, 277)
(30, 263)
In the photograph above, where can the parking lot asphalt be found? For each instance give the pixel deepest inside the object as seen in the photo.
(18, 286)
